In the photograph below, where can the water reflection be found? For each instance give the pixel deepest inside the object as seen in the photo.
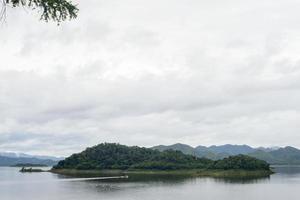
(286, 169)
(246, 180)
(168, 179)
(36, 186)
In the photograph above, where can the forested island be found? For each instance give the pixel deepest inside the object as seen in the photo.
(121, 158)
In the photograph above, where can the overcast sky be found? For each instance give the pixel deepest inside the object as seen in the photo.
(143, 72)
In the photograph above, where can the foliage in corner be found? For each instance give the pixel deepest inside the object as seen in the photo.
(56, 10)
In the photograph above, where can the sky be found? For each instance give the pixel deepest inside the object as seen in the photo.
(140, 72)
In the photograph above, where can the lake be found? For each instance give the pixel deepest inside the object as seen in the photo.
(285, 184)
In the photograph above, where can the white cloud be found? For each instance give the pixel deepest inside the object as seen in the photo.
(151, 72)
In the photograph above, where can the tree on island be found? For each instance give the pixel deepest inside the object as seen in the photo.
(56, 10)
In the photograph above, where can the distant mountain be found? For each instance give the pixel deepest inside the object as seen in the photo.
(9, 161)
(231, 149)
(212, 152)
(272, 155)
(202, 151)
(23, 155)
(268, 149)
(287, 155)
(266, 156)
(186, 149)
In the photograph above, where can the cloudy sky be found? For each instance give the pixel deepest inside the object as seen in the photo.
(142, 72)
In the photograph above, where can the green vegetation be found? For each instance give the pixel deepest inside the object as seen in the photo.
(126, 159)
(115, 156)
(242, 162)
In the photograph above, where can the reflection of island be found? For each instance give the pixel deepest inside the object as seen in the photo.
(242, 180)
(178, 179)
(107, 158)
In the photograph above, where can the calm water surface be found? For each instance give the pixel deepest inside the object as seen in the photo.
(285, 184)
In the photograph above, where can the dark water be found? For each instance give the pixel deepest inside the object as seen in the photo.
(285, 184)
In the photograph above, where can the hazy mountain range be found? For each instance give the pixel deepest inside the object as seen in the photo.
(274, 155)
(11, 158)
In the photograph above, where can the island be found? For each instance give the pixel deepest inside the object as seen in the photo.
(30, 170)
(28, 165)
(125, 160)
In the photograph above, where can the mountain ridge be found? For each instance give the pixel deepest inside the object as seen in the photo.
(9, 161)
(274, 155)
(13, 158)
(24, 155)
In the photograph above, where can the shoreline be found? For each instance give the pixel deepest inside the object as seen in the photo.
(191, 173)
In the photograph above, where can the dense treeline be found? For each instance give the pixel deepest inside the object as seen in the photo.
(116, 156)
(240, 162)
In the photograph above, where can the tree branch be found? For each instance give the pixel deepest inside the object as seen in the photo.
(56, 10)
